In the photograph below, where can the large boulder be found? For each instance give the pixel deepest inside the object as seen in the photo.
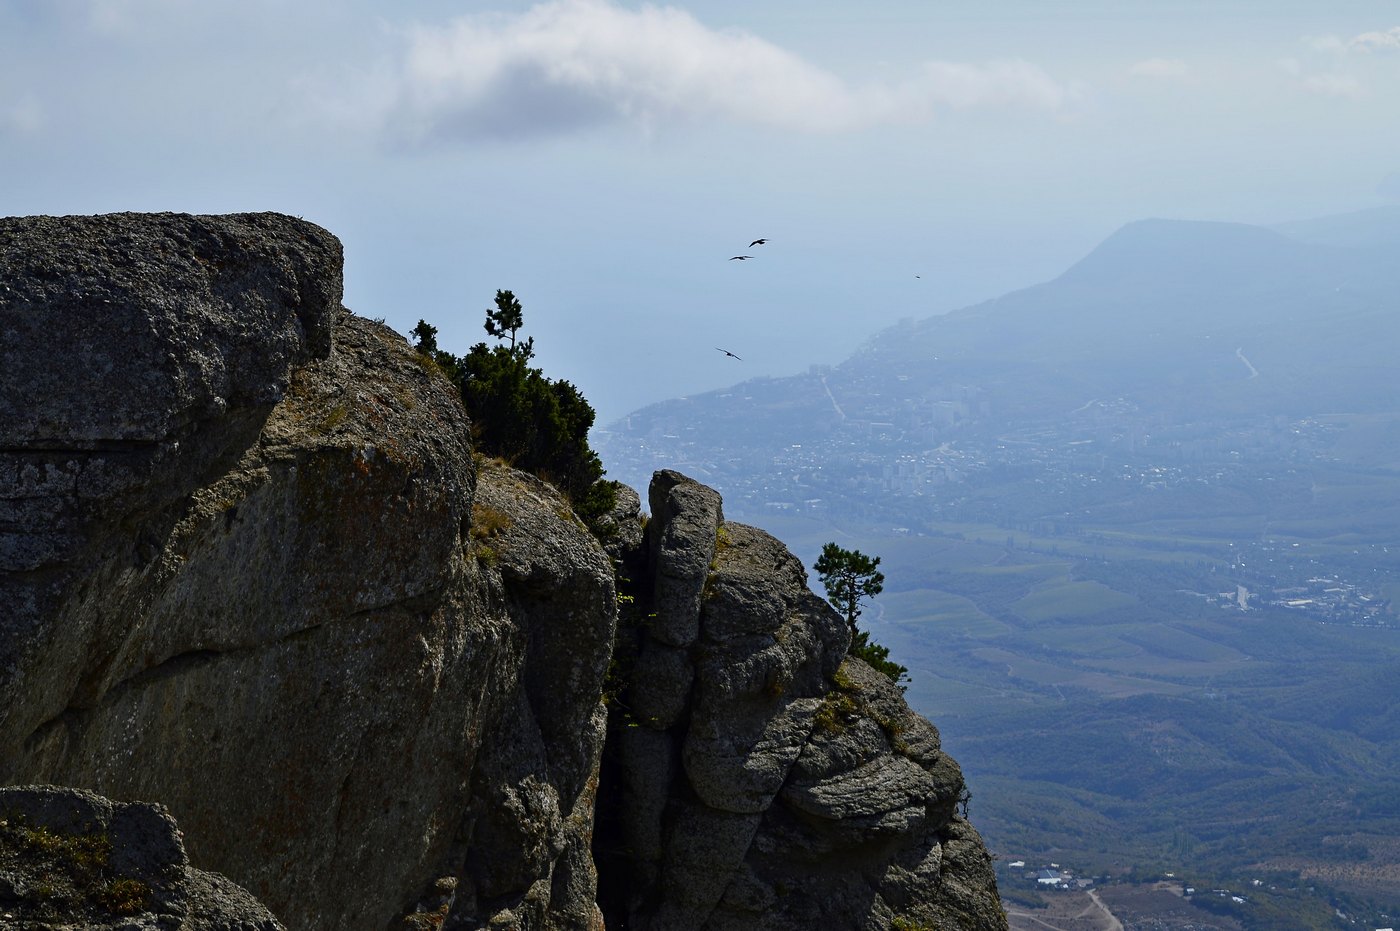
(766, 779)
(74, 860)
(141, 355)
(527, 832)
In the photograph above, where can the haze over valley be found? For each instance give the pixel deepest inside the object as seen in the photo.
(1138, 525)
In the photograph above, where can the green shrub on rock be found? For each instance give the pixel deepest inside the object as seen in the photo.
(535, 423)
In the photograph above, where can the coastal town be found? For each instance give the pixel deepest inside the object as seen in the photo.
(1045, 894)
(1249, 498)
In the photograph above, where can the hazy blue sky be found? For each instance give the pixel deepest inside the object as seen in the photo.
(604, 159)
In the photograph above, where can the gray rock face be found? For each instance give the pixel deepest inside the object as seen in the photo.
(621, 529)
(800, 790)
(130, 327)
(251, 568)
(684, 516)
(249, 580)
(525, 840)
(141, 354)
(76, 860)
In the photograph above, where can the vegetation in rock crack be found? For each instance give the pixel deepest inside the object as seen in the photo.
(533, 422)
(71, 869)
(901, 923)
(837, 712)
(850, 577)
(487, 521)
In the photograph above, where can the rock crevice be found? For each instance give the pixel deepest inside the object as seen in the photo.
(763, 778)
(251, 569)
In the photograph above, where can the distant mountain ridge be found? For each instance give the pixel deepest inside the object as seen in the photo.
(1375, 228)
(1163, 306)
(1138, 523)
(1188, 254)
(1181, 316)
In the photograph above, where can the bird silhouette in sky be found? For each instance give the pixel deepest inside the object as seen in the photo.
(739, 257)
(757, 242)
(729, 354)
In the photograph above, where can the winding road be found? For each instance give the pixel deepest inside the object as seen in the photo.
(1253, 372)
(837, 407)
(1106, 920)
(1113, 923)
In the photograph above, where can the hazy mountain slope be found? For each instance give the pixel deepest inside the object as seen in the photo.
(1182, 318)
(1137, 524)
(1376, 228)
(1161, 312)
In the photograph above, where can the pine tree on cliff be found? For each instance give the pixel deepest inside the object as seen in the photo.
(850, 577)
(508, 317)
(425, 338)
(425, 341)
(534, 423)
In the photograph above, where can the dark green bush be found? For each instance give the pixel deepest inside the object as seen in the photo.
(533, 422)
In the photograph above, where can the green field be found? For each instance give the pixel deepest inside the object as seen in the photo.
(953, 613)
(1108, 708)
(1106, 711)
(1069, 599)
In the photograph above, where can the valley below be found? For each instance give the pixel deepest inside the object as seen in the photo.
(1146, 592)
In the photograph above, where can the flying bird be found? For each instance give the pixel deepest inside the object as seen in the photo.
(757, 242)
(728, 353)
(739, 257)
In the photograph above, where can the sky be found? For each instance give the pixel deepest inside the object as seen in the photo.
(605, 159)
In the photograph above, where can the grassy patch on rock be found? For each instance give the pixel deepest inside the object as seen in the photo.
(55, 873)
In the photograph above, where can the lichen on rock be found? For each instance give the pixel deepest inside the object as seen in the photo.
(251, 569)
(72, 859)
(254, 598)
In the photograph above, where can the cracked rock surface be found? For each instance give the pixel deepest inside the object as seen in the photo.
(70, 859)
(764, 779)
(242, 574)
(251, 569)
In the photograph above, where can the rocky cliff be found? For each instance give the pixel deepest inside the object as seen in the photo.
(250, 569)
(757, 777)
(71, 859)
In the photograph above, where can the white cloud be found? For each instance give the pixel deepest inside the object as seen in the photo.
(1330, 83)
(1334, 85)
(571, 64)
(128, 17)
(1169, 68)
(22, 117)
(1386, 40)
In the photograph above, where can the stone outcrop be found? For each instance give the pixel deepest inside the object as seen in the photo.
(525, 836)
(763, 778)
(141, 356)
(251, 569)
(247, 575)
(72, 859)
